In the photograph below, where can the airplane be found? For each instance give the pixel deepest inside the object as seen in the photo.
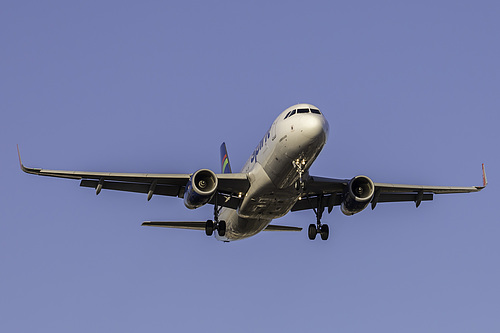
(274, 181)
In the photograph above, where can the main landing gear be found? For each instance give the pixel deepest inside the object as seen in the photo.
(220, 226)
(319, 228)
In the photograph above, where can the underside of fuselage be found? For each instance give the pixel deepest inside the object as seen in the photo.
(239, 227)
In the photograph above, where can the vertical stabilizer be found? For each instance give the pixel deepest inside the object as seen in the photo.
(225, 166)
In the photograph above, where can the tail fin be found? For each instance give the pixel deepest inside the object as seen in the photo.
(225, 166)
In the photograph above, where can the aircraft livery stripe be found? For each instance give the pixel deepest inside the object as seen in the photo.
(225, 162)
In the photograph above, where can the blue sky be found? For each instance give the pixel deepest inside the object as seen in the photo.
(411, 92)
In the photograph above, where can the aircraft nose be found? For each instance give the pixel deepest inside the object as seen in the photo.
(314, 127)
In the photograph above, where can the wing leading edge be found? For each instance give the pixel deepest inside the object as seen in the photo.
(230, 188)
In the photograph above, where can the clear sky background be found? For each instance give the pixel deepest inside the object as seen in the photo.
(411, 92)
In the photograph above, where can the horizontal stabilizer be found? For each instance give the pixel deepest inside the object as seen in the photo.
(281, 228)
(193, 225)
(200, 225)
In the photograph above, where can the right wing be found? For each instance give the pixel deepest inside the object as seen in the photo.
(232, 186)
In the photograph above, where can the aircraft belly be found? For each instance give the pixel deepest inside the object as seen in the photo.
(280, 166)
(271, 205)
(263, 199)
(240, 228)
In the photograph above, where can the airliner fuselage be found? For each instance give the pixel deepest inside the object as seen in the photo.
(288, 149)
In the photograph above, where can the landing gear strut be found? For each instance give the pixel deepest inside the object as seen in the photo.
(319, 228)
(220, 226)
(299, 166)
(300, 186)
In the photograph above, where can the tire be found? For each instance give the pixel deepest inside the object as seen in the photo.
(324, 232)
(311, 232)
(221, 228)
(209, 228)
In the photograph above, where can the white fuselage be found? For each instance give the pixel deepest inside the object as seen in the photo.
(273, 173)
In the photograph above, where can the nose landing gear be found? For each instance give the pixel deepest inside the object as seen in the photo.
(299, 165)
(319, 228)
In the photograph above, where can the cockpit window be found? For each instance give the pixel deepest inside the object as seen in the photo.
(291, 113)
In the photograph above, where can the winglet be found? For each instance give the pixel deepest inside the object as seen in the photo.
(485, 180)
(19, 155)
(25, 169)
(20, 162)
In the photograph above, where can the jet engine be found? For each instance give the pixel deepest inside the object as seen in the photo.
(200, 188)
(357, 196)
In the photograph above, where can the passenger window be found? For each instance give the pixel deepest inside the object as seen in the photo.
(302, 110)
(315, 111)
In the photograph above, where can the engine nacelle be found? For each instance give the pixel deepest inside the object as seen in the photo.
(200, 188)
(358, 195)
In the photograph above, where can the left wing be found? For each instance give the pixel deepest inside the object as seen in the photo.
(230, 189)
(328, 192)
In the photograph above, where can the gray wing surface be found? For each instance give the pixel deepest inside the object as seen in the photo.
(328, 192)
(230, 185)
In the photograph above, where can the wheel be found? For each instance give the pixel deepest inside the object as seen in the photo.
(221, 228)
(324, 232)
(312, 231)
(209, 228)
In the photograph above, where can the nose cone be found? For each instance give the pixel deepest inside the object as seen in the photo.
(314, 127)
